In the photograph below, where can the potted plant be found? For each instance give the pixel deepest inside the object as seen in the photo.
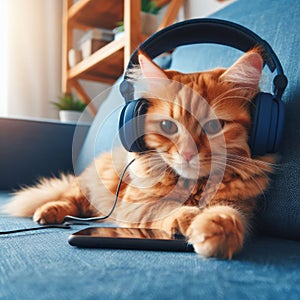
(149, 16)
(119, 30)
(149, 22)
(70, 108)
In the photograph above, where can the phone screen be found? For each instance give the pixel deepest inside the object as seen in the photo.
(129, 238)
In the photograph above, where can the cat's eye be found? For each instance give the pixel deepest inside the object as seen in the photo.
(213, 126)
(168, 127)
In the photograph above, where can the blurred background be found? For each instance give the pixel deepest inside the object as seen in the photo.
(31, 54)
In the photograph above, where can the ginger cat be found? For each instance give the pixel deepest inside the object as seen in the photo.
(198, 177)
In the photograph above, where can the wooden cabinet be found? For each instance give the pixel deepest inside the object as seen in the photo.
(107, 63)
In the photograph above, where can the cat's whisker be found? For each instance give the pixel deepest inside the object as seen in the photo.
(221, 100)
(235, 89)
(256, 161)
(153, 164)
(232, 90)
(148, 151)
(254, 165)
(169, 171)
(244, 173)
(251, 164)
(226, 95)
(161, 168)
(234, 168)
(250, 168)
(252, 178)
(149, 156)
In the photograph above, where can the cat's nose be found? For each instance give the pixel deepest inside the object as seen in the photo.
(188, 155)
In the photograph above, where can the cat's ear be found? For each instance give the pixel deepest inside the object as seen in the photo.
(149, 68)
(245, 71)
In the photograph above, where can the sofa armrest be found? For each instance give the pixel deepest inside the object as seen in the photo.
(30, 149)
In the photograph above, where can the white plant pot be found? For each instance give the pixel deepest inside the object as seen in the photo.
(69, 115)
(118, 35)
(149, 23)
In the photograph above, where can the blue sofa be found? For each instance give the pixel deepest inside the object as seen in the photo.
(41, 265)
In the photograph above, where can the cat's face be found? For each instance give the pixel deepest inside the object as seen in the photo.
(206, 114)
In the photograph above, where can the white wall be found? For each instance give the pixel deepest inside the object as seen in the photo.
(34, 57)
(3, 57)
(203, 8)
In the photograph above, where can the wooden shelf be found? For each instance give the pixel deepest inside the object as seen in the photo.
(96, 13)
(108, 60)
(107, 63)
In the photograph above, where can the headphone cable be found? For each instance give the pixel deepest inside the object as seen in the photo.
(66, 224)
(92, 219)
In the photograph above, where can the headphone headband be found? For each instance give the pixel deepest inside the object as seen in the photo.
(206, 30)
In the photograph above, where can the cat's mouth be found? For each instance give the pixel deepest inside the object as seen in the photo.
(187, 170)
(192, 169)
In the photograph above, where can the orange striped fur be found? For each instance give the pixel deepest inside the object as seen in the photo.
(175, 186)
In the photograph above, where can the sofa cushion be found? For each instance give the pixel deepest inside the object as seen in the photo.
(103, 134)
(42, 265)
(34, 148)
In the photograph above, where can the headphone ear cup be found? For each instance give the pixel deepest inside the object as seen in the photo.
(280, 124)
(267, 124)
(131, 125)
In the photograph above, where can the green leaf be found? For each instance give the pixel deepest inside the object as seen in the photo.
(149, 6)
(69, 102)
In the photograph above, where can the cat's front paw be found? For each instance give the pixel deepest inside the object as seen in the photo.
(52, 212)
(180, 220)
(217, 232)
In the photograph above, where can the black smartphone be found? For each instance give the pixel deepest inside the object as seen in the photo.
(129, 238)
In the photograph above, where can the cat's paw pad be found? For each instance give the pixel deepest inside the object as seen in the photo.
(51, 213)
(217, 232)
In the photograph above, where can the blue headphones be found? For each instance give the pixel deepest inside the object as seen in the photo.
(268, 117)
